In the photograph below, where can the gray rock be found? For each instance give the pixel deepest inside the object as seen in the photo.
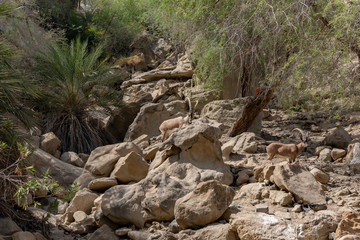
(8, 226)
(72, 158)
(261, 208)
(325, 155)
(23, 236)
(104, 232)
(338, 138)
(64, 173)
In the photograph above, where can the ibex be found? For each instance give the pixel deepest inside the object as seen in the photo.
(288, 150)
(177, 122)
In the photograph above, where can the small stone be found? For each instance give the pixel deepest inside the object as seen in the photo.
(80, 216)
(343, 192)
(325, 155)
(315, 128)
(122, 231)
(320, 176)
(297, 208)
(23, 236)
(337, 153)
(261, 208)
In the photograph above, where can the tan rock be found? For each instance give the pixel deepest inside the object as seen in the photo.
(337, 153)
(281, 197)
(325, 155)
(102, 184)
(150, 153)
(49, 143)
(242, 178)
(320, 176)
(132, 167)
(349, 225)
(82, 201)
(216, 231)
(301, 183)
(205, 204)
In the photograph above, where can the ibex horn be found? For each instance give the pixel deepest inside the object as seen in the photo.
(303, 135)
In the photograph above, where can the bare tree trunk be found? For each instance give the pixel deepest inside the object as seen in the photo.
(251, 110)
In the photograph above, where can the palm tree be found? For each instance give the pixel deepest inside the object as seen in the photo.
(74, 80)
(13, 89)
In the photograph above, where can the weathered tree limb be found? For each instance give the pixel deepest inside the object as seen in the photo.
(251, 110)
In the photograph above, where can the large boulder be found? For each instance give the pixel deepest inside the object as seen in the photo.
(337, 138)
(63, 172)
(301, 183)
(228, 111)
(103, 159)
(152, 115)
(206, 203)
(190, 156)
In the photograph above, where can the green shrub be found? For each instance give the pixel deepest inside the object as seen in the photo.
(75, 81)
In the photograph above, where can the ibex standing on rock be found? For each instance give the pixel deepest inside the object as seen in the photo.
(288, 150)
(177, 122)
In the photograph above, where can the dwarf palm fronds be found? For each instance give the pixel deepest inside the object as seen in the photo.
(74, 80)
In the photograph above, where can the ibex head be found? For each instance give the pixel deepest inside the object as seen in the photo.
(191, 112)
(304, 137)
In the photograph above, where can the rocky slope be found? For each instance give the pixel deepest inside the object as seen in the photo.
(200, 184)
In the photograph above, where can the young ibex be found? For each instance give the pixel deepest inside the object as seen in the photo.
(288, 150)
(177, 122)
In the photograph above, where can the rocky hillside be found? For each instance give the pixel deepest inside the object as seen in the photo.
(200, 184)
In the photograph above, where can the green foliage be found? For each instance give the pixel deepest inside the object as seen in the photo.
(70, 192)
(74, 81)
(119, 22)
(33, 185)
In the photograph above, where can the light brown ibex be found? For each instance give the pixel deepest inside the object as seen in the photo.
(177, 122)
(288, 150)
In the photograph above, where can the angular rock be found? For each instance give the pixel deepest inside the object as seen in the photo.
(216, 231)
(104, 232)
(301, 183)
(142, 141)
(150, 153)
(281, 197)
(132, 167)
(318, 228)
(85, 178)
(325, 155)
(320, 176)
(64, 173)
(102, 184)
(72, 158)
(49, 143)
(261, 208)
(190, 156)
(246, 143)
(337, 138)
(102, 160)
(82, 201)
(8, 226)
(349, 225)
(242, 178)
(337, 153)
(252, 190)
(205, 204)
